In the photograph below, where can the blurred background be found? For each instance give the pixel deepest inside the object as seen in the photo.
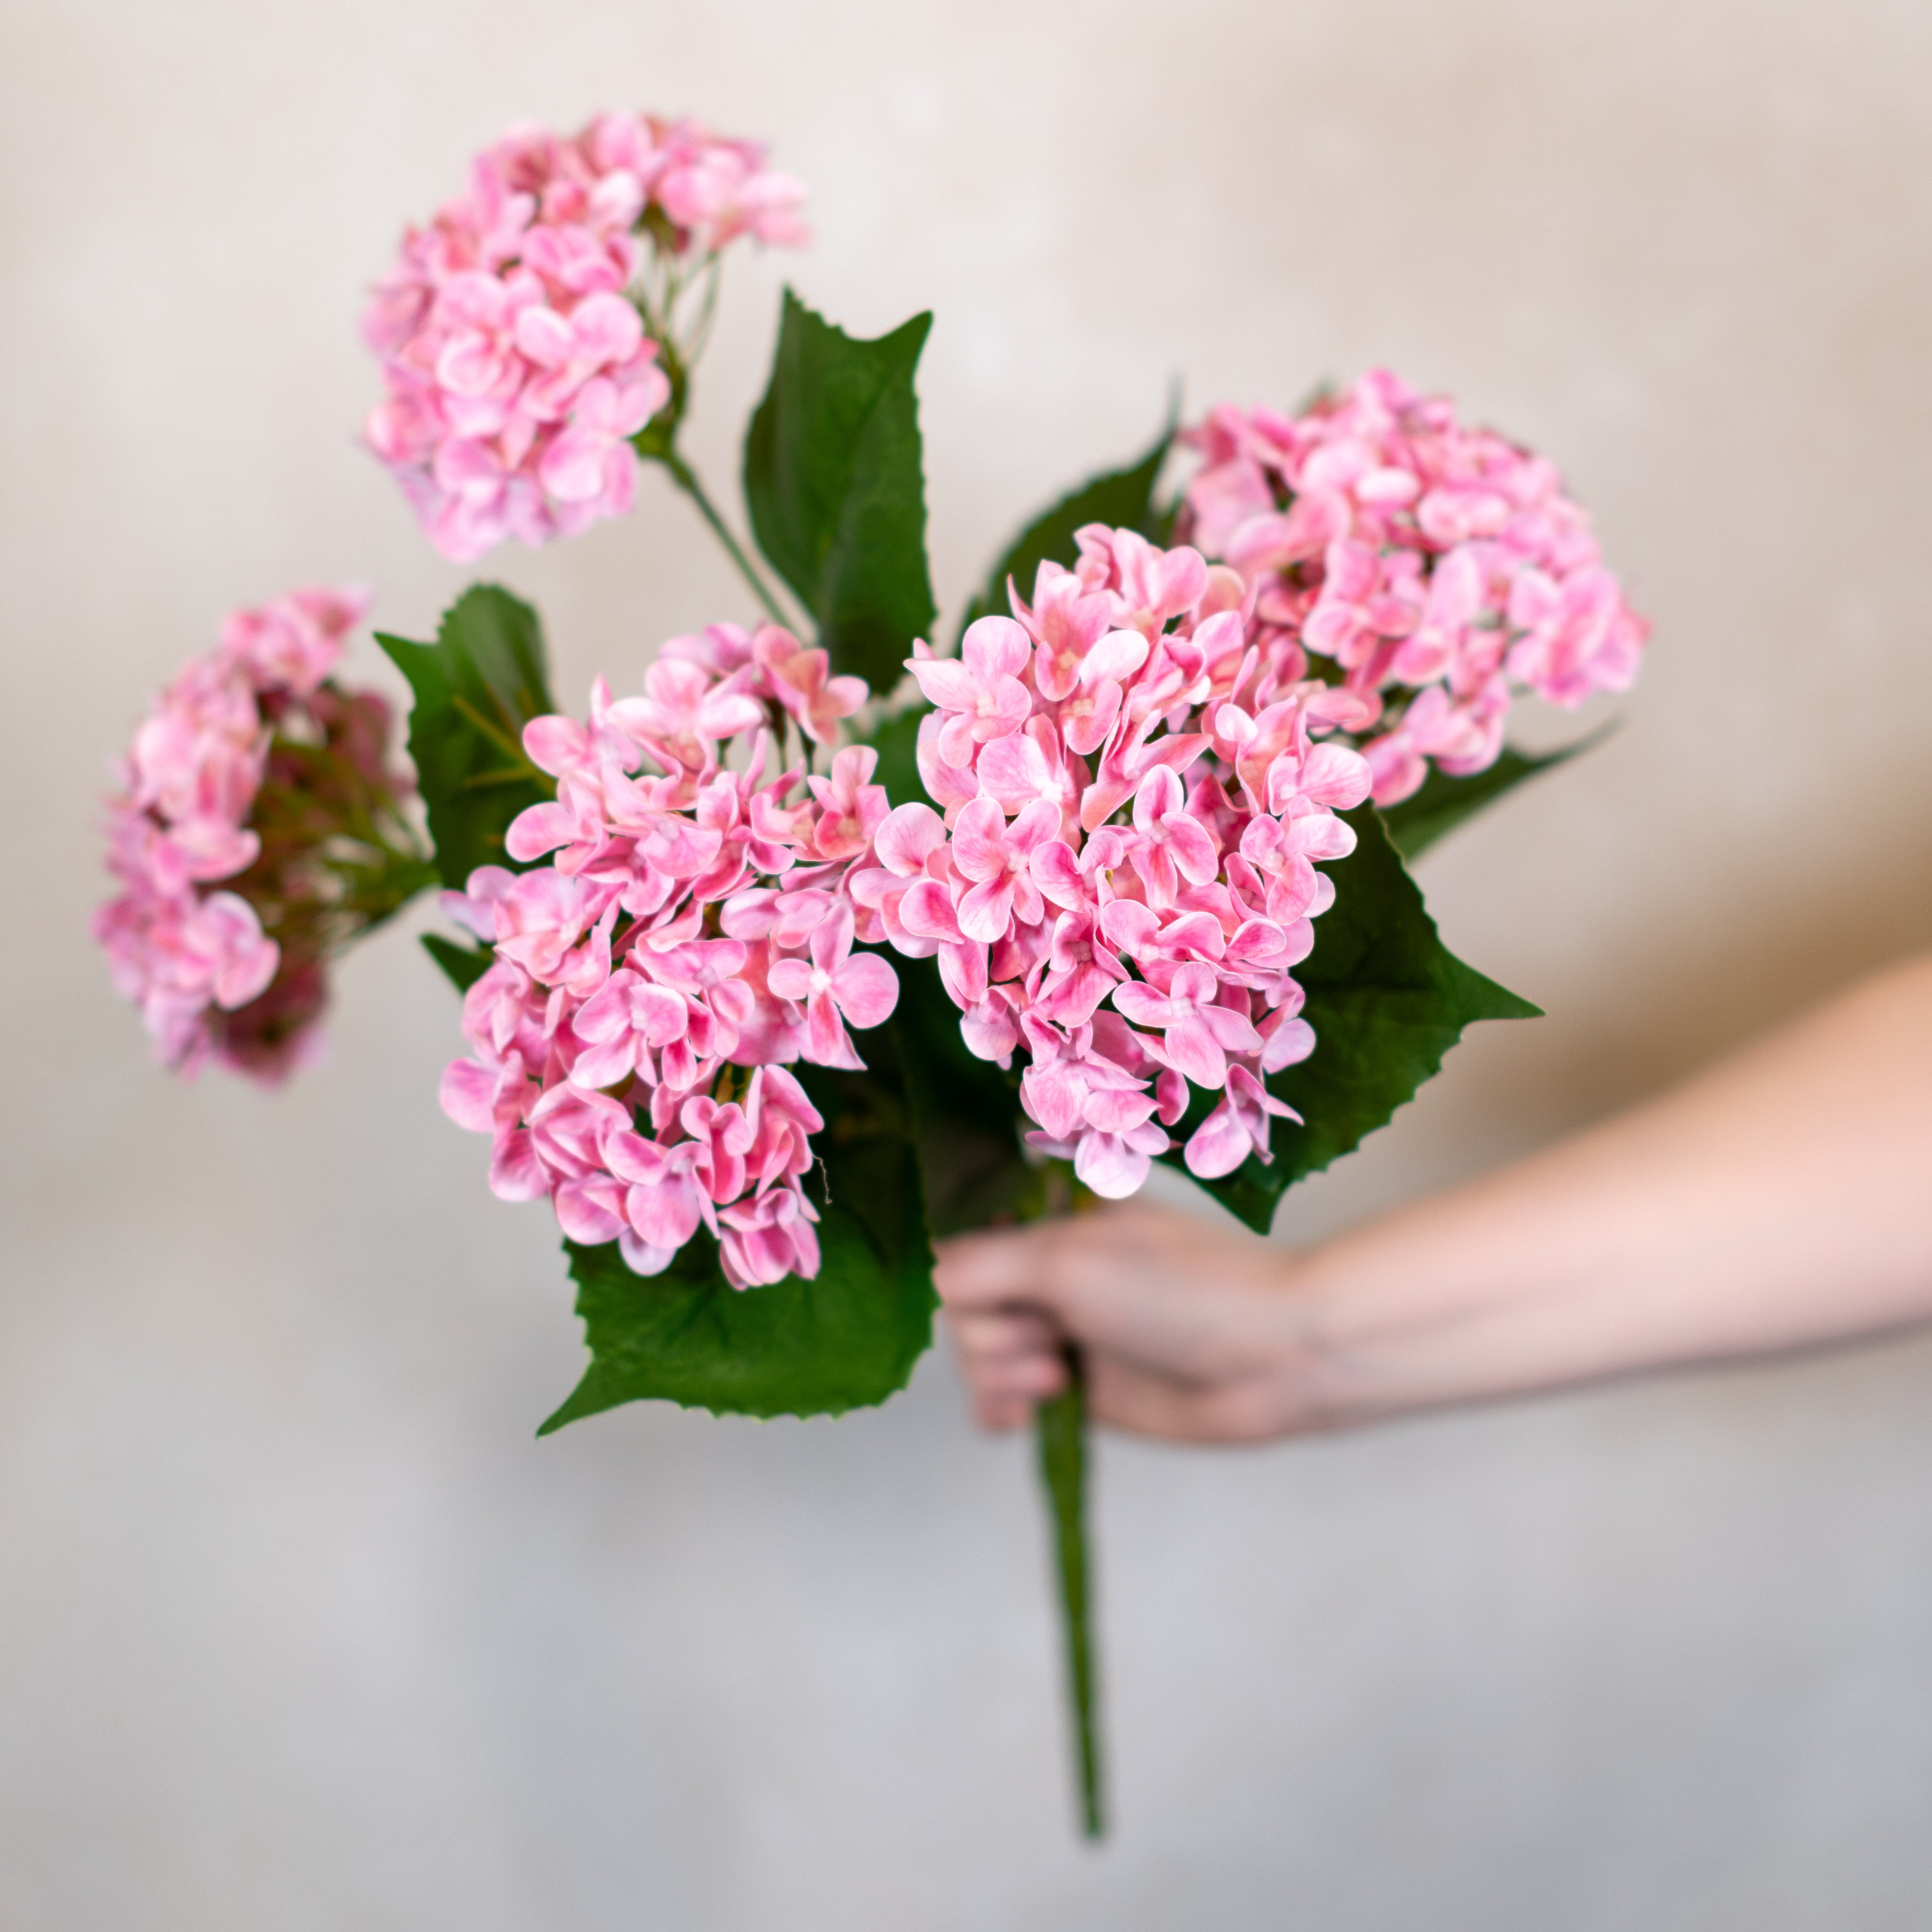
(300, 1628)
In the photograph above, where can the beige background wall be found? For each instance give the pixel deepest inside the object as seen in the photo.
(299, 1629)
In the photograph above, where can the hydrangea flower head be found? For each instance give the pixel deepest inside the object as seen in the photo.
(1124, 874)
(683, 933)
(514, 349)
(1438, 568)
(253, 777)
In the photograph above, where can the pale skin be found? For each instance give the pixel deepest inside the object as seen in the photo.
(1780, 1199)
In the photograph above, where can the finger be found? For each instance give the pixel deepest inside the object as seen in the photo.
(1036, 1377)
(986, 1270)
(988, 1337)
(1002, 1412)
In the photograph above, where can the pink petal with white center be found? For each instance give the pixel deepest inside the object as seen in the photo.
(962, 971)
(1013, 771)
(516, 1174)
(1321, 835)
(1136, 1000)
(588, 1210)
(1335, 776)
(947, 785)
(995, 647)
(1056, 872)
(986, 911)
(908, 837)
(980, 840)
(1192, 1049)
(1115, 1166)
(641, 1256)
(1285, 1043)
(1115, 657)
(945, 682)
(1218, 1146)
(790, 979)
(866, 988)
(989, 1030)
(468, 1095)
(826, 1041)
(928, 911)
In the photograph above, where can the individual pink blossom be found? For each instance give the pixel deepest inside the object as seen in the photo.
(851, 807)
(993, 860)
(835, 988)
(713, 190)
(978, 695)
(293, 643)
(1173, 844)
(684, 714)
(1237, 1129)
(766, 1237)
(1197, 1031)
(802, 682)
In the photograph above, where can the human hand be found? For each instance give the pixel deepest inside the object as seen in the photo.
(1188, 1331)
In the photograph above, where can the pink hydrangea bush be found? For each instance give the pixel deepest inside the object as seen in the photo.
(514, 352)
(256, 828)
(1120, 875)
(688, 937)
(1436, 567)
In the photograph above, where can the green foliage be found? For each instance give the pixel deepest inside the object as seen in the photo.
(1386, 1000)
(848, 1339)
(464, 965)
(837, 497)
(896, 741)
(965, 1112)
(1444, 802)
(1124, 498)
(476, 687)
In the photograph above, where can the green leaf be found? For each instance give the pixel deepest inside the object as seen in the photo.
(846, 1339)
(1124, 498)
(476, 688)
(896, 741)
(1386, 999)
(1444, 802)
(464, 965)
(965, 1111)
(833, 483)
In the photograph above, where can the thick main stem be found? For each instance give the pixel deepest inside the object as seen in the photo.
(685, 478)
(1060, 1427)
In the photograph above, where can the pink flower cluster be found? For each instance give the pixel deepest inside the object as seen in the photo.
(1435, 564)
(515, 358)
(1124, 877)
(689, 938)
(186, 955)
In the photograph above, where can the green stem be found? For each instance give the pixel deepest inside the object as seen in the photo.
(1061, 1426)
(685, 478)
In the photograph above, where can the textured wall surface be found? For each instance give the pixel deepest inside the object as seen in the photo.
(299, 1628)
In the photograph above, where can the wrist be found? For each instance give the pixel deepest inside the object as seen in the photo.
(1325, 1372)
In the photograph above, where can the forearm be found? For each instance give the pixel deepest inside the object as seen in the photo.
(1784, 1198)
